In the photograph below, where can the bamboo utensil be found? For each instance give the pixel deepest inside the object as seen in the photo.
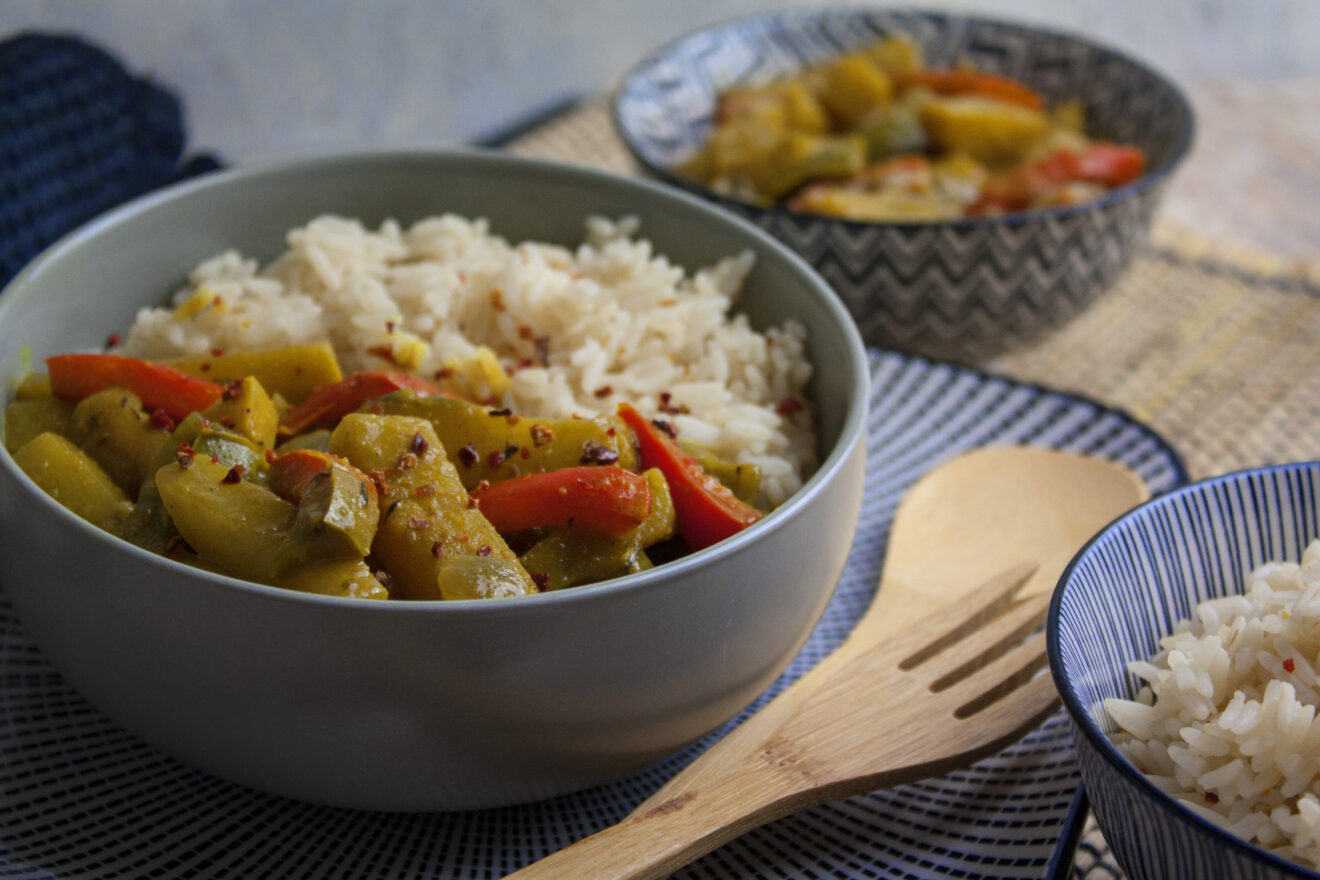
(935, 674)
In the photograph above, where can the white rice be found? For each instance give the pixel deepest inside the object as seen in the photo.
(544, 330)
(1226, 722)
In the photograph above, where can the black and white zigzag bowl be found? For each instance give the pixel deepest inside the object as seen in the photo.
(1126, 589)
(954, 289)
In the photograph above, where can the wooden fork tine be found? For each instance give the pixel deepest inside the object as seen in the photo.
(969, 616)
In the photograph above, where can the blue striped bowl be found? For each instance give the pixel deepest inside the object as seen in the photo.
(1126, 589)
(959, 289)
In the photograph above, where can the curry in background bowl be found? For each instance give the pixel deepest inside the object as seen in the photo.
(886, 227)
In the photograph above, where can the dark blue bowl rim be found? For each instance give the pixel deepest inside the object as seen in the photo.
(1146, 181)
(1082, 720)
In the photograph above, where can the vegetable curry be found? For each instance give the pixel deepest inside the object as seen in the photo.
(275, 468)
(877, 135)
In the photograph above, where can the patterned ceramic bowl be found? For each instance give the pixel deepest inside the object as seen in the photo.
(1124, 591)
(953, 289)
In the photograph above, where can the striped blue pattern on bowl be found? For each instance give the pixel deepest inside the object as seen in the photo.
(957, 289)
(1124, 591)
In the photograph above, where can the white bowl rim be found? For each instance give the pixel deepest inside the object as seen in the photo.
(1085, 724)
(1148, 179)
(851, 432)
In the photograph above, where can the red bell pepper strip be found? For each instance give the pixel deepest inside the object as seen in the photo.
(1110, 164)
(705, 509)
(330, 403)
(75, 376)
(602, 499)
(1017, 189)
(291, 472)
(974, 82)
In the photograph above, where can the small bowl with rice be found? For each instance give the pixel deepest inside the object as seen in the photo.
(1184, 639)
(543, 289)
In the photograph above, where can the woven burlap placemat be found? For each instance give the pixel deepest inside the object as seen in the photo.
(1211, 344)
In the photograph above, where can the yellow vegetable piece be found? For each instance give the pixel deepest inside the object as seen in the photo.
(113, 429)
(292, 372)
(897, 55)
(35, 386)
(852, 87)
(238, 524)
(340, 577)
(994, 132)
(71, 477)
(25, 419)
(426, 521)
(248, 410)
(337, 517)
(493, 445)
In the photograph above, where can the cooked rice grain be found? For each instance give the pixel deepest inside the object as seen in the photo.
(542, 329)
(1226, 722)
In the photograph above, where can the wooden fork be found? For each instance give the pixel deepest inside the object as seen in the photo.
(957, 685)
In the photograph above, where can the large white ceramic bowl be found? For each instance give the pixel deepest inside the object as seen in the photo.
(424, 705)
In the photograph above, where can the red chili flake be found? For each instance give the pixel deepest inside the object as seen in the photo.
(184, 455)
(383, 576)
(232, 390)
(668, 302)
(467, 456)
(523, 364)
(497, 300)
(541, 435)
(425, 490)
(482, 486)
(604, 391)
(271, 455)
(512, 419)
(484, 550)
(662, 425)
(419, 444)
(667, 404)
(1211, 797)
(496, 458)
(204, 366)
(384, 352)
(1289, 665)
(233, 475)
(215, 459)
(378, 480)
(161, 420)
(444, 373)
(407, 461)
(227, 422)
(437, 550)
(417, 523)
(542, 580)
(217, 352)
(473, 504)
(788, 406)
(112, 340)
(525, 331)
(524, 453)
(595, 453)
(610, 432)
(389, 326)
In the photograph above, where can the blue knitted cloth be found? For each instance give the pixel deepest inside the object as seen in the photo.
(78, 135)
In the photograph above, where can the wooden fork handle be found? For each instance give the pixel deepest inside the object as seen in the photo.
(656, 842)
